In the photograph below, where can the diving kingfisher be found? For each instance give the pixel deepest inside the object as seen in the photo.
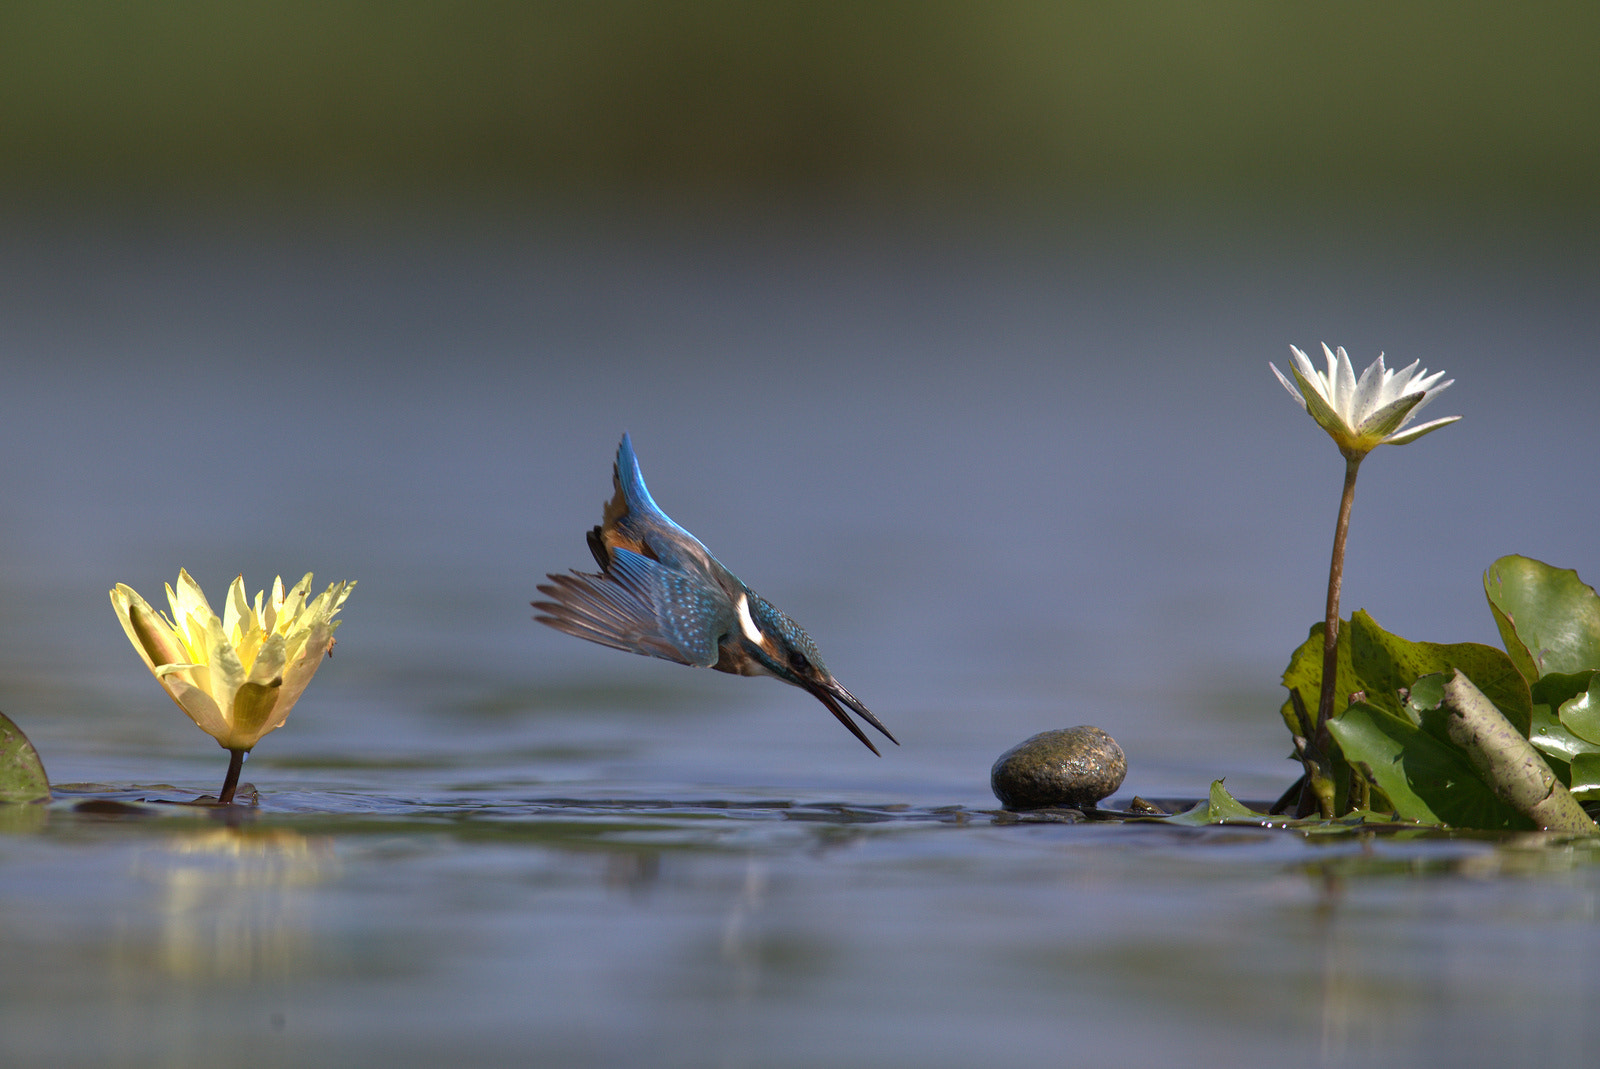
(660, 593)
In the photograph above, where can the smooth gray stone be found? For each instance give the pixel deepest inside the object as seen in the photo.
(1066, 767)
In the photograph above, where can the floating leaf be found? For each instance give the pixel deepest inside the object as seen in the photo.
(22, 777)
(1549, 619)
(1427, 779)
(1219, 808)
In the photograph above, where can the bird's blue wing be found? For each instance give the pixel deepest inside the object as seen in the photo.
(641, 606)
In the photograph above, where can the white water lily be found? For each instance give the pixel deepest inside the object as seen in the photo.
(1362, 414)
(239, 676)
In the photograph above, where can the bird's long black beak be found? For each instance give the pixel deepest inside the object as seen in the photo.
(837, 699)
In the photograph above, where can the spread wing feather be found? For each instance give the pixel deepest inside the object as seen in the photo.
(640, 606)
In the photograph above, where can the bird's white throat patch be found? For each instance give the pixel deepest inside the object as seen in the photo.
(746, 624)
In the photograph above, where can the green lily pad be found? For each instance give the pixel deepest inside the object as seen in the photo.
(1548, 734)
(1585, 785)
(1580, 714)
(1427, 779)
(1549, 619)
(22, 777)
(1556, 688)
(1551, 738)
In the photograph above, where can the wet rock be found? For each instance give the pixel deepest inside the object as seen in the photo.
(1067, 767)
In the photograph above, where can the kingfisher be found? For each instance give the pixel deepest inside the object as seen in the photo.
(661, 593)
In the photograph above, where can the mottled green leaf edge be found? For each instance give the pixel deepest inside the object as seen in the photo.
(1380, 665)
(22, 777)
(1385, 664)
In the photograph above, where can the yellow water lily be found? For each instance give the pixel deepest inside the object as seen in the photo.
(237, 676)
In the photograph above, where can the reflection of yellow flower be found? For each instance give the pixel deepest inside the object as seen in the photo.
(237, 677)
(232, 907)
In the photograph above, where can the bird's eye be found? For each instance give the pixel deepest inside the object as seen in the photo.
(799, 662)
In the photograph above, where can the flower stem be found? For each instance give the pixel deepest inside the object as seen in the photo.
(1323, 741)
(1330, 633)
(231, 783)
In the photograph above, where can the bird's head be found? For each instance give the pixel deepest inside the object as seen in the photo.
(781, 648)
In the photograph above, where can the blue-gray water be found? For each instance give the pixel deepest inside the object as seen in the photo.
(1009, 480)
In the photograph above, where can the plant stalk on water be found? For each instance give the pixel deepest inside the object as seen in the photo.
(1321, 742)
(1359, 415)
(230, 782)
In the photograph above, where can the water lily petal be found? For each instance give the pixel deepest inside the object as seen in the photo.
(181, 684)
(227, 673)
(151, 636)
(293, 603)
(269, 662)
(251, 715)
(1369, 391)
(188, 600)
(1431, 394)
(1388, 419)
(1411, 434)
(1341, 385)
(235, 609)
(1323, 412)
(248, 647)
(1307, 368)
(238, 676)
(1294, 391)
(303, 665)
(1363, 413)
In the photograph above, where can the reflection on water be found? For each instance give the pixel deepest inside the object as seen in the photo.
(231, 904)
(604, 935)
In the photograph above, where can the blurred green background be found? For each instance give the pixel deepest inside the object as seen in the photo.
(1491, 107)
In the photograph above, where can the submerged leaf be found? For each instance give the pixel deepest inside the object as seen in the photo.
(1549, 619)
(22, 777)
